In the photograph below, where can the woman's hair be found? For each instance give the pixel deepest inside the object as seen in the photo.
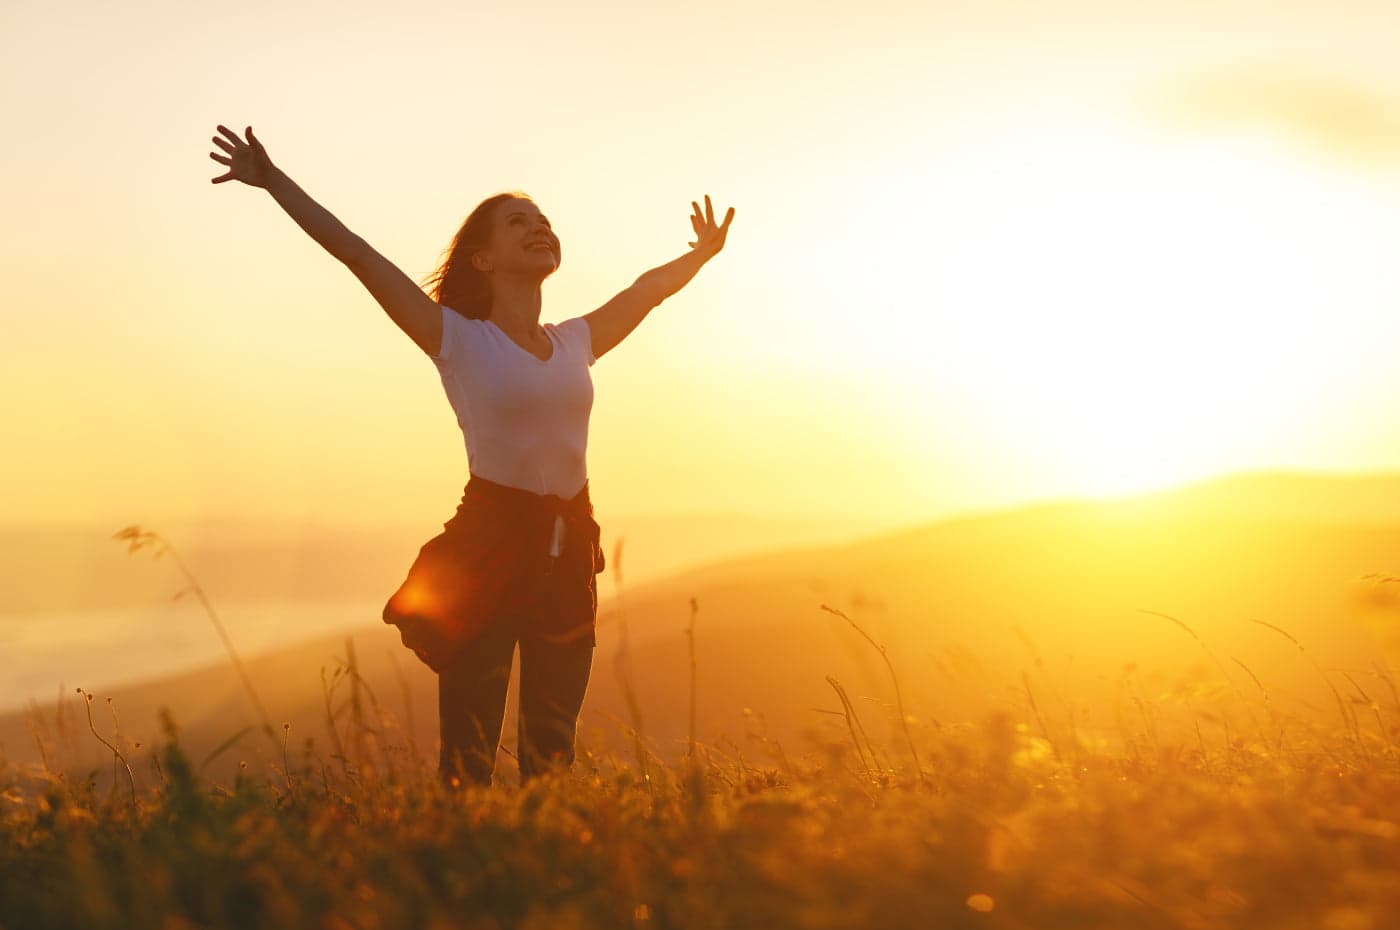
(456, 283)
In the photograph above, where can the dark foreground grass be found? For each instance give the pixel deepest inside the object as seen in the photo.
(1006, 824)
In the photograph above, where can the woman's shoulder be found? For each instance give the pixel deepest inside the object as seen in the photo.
(458, 331)
(576, 331)
(458, 318)
(572, 328)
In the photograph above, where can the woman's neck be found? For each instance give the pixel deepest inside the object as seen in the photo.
(515, 305)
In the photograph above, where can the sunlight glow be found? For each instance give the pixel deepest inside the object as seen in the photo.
(1128, 312)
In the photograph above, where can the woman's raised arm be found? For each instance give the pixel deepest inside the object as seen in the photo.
(610, 323)
(414, 311)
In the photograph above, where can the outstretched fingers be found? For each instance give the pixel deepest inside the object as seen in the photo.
(703, 222)
(231, 148)
(223, 160)
(231, 134)
(708, 217)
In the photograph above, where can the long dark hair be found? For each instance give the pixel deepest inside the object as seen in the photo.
(458, 285)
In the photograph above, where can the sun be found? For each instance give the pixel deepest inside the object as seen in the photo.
(1124, 312)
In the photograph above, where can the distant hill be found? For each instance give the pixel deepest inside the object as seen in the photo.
(63, 570)
(1089, 603)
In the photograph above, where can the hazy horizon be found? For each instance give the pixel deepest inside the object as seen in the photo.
(274, 594)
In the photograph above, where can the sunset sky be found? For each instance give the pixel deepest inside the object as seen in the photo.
(983, 253)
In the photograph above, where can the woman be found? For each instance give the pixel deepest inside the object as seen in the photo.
(516, 563)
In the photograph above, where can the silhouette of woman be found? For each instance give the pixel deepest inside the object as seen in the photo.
(516, 563)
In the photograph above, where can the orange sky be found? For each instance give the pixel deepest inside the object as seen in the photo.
(982, 253)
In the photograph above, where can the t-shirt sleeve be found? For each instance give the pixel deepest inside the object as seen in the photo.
(451, 324)
(582, 335)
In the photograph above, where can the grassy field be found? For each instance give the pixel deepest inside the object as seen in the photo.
(1230, 814)
(1211, 797)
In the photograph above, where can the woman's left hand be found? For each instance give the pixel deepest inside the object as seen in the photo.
(709, 238)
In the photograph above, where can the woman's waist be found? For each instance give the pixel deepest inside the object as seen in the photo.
(542, 467)
(481, 487)
(484, 500)
(516, 523)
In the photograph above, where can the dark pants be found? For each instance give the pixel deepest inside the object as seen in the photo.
(472, 703)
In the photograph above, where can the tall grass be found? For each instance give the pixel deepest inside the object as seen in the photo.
(1026, 818)
(999, 831)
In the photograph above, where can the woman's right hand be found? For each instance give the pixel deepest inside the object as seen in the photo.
(247, 161)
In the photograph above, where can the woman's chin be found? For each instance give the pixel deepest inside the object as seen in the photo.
(538, 270)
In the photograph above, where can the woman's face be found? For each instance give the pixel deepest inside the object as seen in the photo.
(522, 241)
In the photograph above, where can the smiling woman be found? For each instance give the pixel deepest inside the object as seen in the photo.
(515, 565)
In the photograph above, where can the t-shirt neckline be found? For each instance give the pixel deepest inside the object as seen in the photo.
(553, 349)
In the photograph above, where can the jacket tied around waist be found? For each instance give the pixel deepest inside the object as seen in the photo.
(492, 559)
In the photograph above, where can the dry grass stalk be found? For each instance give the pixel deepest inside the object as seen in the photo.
(1348, 718)
(116, 753)
(622, 668)
(690, 636)
(898, 695)
(138, 538)
(852, 722)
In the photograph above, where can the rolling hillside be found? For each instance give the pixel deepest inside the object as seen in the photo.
(1249, 582)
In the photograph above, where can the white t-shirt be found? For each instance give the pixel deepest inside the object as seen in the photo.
(525, 420)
